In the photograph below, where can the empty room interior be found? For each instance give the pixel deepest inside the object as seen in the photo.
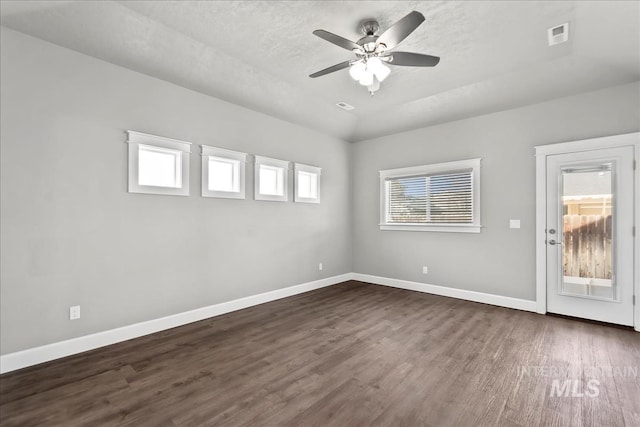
(319, 213)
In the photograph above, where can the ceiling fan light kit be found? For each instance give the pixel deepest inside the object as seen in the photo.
(373, 51)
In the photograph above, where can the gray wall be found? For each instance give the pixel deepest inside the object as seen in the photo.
(72, 235)
(499, 260)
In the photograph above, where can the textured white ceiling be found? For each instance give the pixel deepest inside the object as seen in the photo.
(259, 54)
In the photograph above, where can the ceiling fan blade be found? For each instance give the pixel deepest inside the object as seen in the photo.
(411, 59)
(331, 69)
(337, 40)
(400, 30)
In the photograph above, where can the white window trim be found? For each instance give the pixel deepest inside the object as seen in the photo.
(459, 165)
(299, 167)
(207, 152)
(134, 139)
(268, 161)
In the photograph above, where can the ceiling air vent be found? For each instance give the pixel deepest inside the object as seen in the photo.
(345, 106)
(558, 34)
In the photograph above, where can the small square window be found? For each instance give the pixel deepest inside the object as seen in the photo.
(307, 184)
(158, 165)
(223, 173)
(271, 179)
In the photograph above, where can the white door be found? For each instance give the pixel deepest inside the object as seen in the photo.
(589, 234)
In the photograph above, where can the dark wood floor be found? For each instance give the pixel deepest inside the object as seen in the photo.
(353, 354)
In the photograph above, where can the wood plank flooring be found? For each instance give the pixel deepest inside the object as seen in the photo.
(353, 354)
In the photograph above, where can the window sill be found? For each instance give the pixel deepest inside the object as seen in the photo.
(271, 198)
(223, 194)
(307, 200)
(163, 191)
(445, 228)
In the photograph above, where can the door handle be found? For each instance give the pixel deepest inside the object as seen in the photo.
(553, 242)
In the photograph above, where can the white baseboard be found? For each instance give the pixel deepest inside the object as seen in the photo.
(33, 356)
(519, 304)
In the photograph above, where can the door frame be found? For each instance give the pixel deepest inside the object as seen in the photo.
(541, 153)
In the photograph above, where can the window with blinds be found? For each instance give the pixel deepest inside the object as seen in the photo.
(441, 197)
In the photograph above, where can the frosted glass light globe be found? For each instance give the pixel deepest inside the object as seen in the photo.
(357, 70)
(376, 66)
(367, 78)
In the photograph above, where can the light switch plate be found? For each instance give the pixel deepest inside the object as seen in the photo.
(74, 312)
(514, 223)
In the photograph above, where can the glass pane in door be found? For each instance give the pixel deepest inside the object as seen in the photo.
(587, 232)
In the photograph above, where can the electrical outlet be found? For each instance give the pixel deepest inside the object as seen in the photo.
(425, 270)
(320, 267)
(74, 312)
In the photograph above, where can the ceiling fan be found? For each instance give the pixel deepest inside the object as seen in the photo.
(373, 51)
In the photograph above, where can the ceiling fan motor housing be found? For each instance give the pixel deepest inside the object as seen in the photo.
(368, 42)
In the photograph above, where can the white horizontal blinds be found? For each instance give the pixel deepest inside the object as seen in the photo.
(451, 198)
(407, 200)
(431, 199)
